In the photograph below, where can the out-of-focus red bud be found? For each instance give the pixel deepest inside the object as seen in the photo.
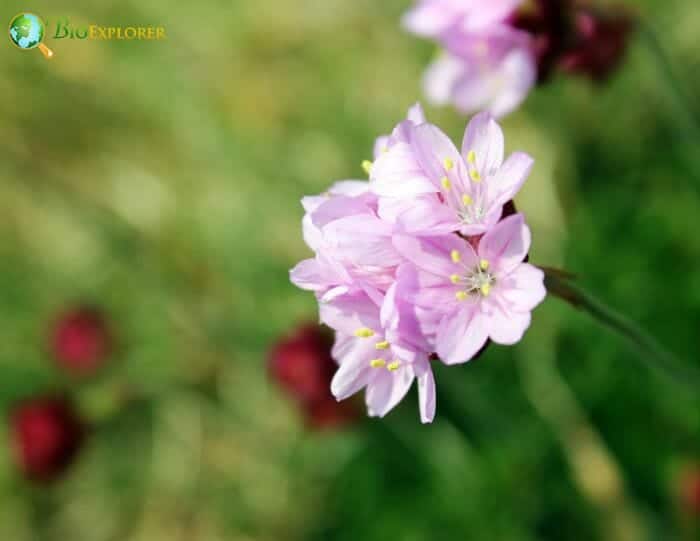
(46, 435)
(81, 340)
(599, 45)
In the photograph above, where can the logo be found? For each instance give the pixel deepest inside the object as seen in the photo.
(27, 32)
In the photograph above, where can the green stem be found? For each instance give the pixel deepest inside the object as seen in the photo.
(649, 349)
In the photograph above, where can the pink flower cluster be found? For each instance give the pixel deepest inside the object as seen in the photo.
(487, 63)
(420, 261)
(495, 51)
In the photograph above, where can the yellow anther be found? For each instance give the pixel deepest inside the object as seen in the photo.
(485, 290)
(381, 345)
(377, 363)
(392, 366)
(364, 332)
(449, 164)
(471, 156)
(456, 256)
(446, 183)
(367, 166)
(455, 278)
(476, 176)
(466, 199)
(484, 264)
(461, 295)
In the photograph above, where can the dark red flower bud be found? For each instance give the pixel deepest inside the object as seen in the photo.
(599, 45)
(81, 341)
(690, 492)
(46, 436)
(302, 365)
(329, 413)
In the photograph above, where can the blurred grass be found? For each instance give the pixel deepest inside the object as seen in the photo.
(161, 181)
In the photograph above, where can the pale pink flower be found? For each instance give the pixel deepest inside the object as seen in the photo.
(428, 187)
(379, 349)
(491, 70)
(477, 295)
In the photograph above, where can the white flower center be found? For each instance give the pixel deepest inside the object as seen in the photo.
(472, 281)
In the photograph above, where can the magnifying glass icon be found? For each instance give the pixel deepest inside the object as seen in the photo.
(27, 32)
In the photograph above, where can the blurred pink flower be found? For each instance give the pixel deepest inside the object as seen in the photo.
(81, 340)
(488, 70)
(477, 294)
(453, 191)
(47, 434)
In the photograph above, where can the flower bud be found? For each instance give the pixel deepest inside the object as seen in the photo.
(81, 341)
(46, 436)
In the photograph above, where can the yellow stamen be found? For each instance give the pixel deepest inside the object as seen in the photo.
(461, 295)
(466, 199)
(485, 290)
(367, 166)
(377, 363)
(446, 183)
(456, 256)
(393, 366)
(471, 156)
(476, 176)
(449, 164)
(381, 345)
(484, 264)
(364, 332)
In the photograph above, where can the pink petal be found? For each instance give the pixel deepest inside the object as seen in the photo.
(387, 390)
(426, 216)
(396, 173)
(506, 327)
(354, 371)
(363, 240)
(461, 335)
(506, 245)
(433, 254)
(416, 114)
(517, 75)
(350, 188)
(309, 275)
(348, 313)
(509, 179)
(441, 77)
(433, 151)
(484, 137)
(426, 392)
(523, 289)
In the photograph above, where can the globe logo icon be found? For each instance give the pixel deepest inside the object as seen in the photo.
(27, 32)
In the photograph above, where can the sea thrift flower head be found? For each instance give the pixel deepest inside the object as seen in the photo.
(381, 350)
(47, 434)
(478, 295)
(459, 191)
(81, 340)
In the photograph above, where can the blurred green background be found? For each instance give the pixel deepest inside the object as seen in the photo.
(161, 180)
